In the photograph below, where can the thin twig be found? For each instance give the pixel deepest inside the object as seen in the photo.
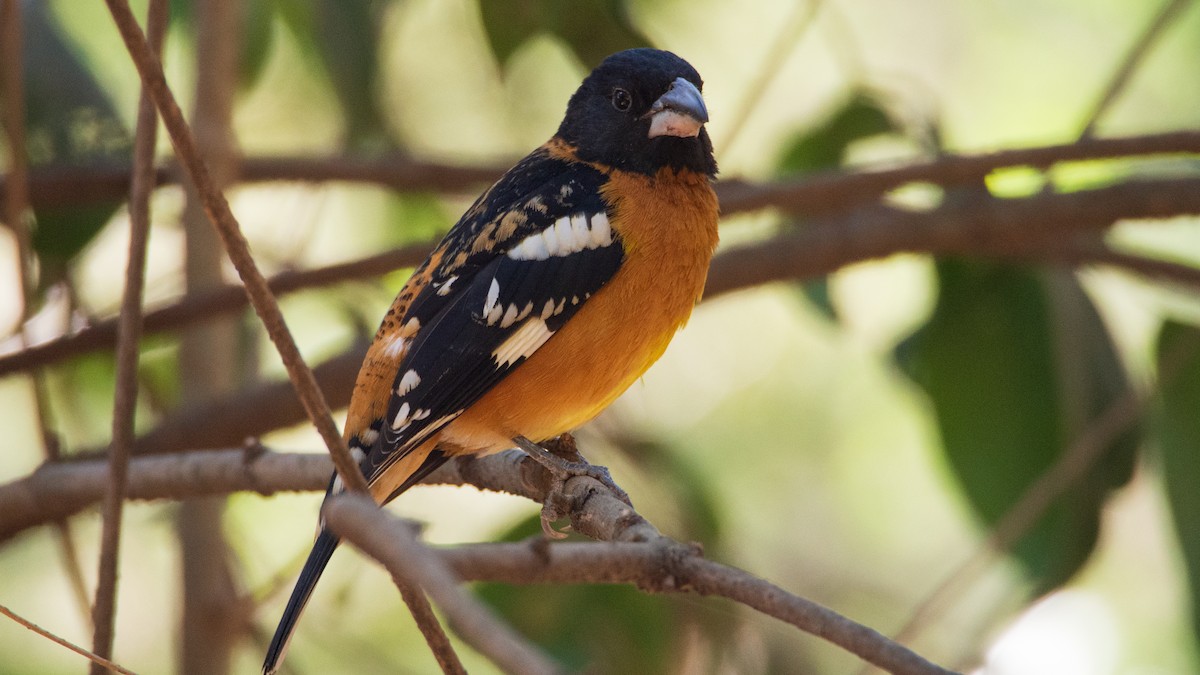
(129, 338)
(803, 15)
(357, 520)
(427, 623)
(205, 305)
(95, 659)
(236, 246)
(1078, 459)
(1120, 79)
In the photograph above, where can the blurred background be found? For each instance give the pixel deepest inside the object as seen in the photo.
(852, 438)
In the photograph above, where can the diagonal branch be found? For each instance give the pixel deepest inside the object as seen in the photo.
(217, 208)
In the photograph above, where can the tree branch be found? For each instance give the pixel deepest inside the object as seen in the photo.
(217, 208)
(661, 565)
(817, 194)
(809, 197)
(1037, 228)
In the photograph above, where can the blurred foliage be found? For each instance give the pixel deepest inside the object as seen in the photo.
(70, 122)
(338, 38)
(823, 146)
(1018, 365)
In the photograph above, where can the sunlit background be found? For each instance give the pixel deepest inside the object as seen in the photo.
(782, 436)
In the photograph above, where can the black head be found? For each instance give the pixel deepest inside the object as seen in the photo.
(641, 110)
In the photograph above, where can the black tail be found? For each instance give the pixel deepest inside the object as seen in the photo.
(318, 558)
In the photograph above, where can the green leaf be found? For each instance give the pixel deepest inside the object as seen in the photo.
(1178, 429)
(69, 122)
(258, 37)
(816, 292)
(1018, 364)
(824, 146)
(592, 29)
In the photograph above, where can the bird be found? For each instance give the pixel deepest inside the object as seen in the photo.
(553, 293)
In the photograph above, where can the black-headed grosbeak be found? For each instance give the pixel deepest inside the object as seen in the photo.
(556, 290)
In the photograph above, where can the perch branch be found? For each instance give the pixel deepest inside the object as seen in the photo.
(660, 564)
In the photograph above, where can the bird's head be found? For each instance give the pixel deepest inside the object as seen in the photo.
(641, 110)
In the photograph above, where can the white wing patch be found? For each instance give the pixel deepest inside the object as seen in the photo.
(395, 346)
(406, 415)
(407, 383)
(444, 288)
(493, 295)
(523, 342)
(567, 235)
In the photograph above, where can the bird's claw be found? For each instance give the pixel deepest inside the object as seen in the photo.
(562, 470)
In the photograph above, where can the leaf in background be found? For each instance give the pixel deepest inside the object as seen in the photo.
(69, 122)
(592, 29)
(258, 37)
(823, 148)
(1017, 364)
(1178, 422)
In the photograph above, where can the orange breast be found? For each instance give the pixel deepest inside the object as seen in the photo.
(668, 225)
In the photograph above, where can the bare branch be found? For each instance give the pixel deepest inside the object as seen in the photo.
(427, 623)
(813, 196)
(1037, 228)
(394, 543)
(129, 337)
(236, 246)
(205, 305)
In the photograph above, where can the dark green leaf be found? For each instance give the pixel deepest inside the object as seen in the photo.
(1178, 422)
(258, 33)
(816, 292)
(592, 29)
(1017, 364)
(824, 146)
(70, 122)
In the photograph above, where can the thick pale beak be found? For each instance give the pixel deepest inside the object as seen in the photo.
(679, 112)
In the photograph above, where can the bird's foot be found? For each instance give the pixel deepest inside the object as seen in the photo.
(563, 464)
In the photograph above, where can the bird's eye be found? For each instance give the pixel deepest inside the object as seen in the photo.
(621, 99)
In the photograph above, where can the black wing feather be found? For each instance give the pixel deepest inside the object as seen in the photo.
(452, 353)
